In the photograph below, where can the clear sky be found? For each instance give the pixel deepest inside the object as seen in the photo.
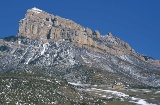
(137, 22)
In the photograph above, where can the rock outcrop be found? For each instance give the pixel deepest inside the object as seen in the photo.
(39, 24)
(96, 34)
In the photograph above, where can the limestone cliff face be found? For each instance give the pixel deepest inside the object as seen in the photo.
(39, 24)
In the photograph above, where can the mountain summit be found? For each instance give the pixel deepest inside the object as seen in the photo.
(59, 44)
(54, 60)
(39, 24)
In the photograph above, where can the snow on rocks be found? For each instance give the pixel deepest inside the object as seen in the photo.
(126, 58)
(85, 59)
(44, 48)
(36, 10)
(28, 60)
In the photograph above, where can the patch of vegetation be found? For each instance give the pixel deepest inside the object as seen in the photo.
(147, 58)
(145, 87)
(11, 38)
(31, 88)
(97, 39)
(38, 89)
(4, 48)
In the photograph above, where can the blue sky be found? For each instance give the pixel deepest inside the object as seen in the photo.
(137, 22)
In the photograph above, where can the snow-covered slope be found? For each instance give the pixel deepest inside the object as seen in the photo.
(74, 63)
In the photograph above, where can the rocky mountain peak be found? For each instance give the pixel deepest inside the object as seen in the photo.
(62, 49)
(57, 61)
(41, 25)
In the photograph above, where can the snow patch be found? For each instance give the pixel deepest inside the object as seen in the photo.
(49, 25)
(8, 86)
(120, 94)
(19, 42)
(109, 97)
(44, 48)
(48, 80)
(140, 101)
(28, 60)
(157, 92)
(104, 96)
(124, 57)
(84, 59)
(78, 84)
(57, 81)
(36, 10)
(72, 62)
(24, 19)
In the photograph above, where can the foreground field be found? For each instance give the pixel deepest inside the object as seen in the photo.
(31, 89)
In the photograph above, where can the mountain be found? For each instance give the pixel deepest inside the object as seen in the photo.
(38, 24)
(66, 51)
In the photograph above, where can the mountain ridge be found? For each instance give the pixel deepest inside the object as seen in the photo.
(59, 45)
(54, 60)
(47, 27)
